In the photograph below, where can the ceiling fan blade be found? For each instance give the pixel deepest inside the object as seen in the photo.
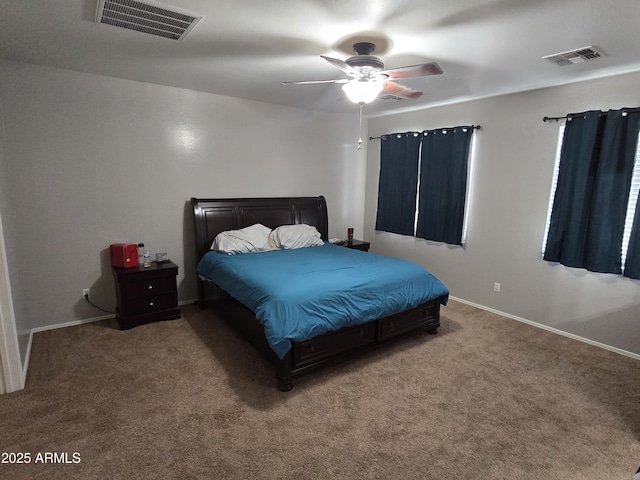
(309, 82)
(401, 91)
(344, 66)
(421, 70)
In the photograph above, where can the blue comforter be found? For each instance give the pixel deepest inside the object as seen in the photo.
(299, 294)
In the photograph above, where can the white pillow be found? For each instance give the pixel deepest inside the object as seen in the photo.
(249, 239)
(295, 236)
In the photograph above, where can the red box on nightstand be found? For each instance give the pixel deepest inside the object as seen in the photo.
(124, 254)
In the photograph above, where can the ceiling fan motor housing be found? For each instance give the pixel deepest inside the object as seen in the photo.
(364, 61)
(364, 48)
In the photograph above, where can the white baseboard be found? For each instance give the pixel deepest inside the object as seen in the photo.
(476, 305)
(25, 367)
(550, 329)
(88, 320)
(69, 324)
(27, 356)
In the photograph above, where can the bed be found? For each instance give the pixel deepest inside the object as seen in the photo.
(328, 335)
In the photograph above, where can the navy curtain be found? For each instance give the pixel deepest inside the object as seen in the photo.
(398, 182)
(443, 184)
(596, 166)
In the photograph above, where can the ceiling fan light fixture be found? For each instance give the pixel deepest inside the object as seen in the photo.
(363, 91)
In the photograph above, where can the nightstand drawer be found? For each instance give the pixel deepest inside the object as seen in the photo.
(150, 287)
(150, 304)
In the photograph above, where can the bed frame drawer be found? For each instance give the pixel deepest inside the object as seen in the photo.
(333, 343)
(404, 322)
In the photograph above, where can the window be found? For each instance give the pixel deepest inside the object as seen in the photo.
(422, 189)
(592, 221)
(554, 185)
(631, 205)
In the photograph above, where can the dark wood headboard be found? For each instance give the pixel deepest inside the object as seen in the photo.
(215, 215)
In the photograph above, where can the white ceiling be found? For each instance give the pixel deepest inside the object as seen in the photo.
(245, 48)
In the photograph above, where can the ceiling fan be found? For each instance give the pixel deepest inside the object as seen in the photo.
(367, 76)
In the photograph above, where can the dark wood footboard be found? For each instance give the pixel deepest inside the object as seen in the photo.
(335, 347)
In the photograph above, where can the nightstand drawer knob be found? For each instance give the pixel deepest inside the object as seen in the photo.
(150, 287)
(151, 304)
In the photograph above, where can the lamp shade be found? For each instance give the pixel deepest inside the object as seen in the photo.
(363, 91)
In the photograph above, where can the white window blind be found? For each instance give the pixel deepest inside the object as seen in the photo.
(631, 206)
(467, 203)
(554, 185)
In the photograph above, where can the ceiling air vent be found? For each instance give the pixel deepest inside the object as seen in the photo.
(572, 57)
(147, 17)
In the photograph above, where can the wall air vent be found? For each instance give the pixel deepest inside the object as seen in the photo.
(147, 17)
(580, 55)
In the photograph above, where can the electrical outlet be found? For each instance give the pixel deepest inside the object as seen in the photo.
(496, 287)
(85, 292)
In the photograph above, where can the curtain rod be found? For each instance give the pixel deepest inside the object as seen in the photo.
(555, 119)
(475, 127)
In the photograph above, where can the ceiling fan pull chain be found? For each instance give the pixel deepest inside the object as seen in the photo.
(360, 138)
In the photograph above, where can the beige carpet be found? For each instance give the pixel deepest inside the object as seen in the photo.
(486, 398)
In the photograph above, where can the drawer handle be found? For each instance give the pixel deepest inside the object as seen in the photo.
(150, 287)
(151, 304)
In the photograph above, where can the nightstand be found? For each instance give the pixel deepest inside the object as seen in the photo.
(146, 295)
(358, 245)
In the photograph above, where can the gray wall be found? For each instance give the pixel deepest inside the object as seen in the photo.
(510, 190)
(93, 160)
